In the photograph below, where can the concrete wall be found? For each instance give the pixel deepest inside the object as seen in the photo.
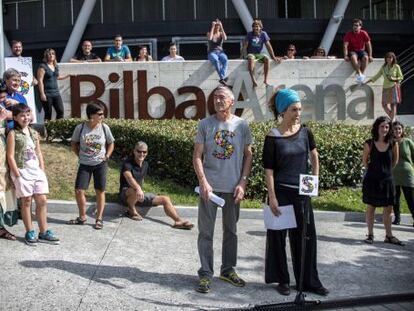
(182, 90)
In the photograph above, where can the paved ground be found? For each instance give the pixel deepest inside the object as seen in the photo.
(150, 266)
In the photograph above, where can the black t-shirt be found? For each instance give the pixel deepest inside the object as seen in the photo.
(288, 156)
(91, 56)
(138, 172)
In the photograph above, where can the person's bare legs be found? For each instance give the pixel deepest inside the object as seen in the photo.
(251, 63)
(393, 110)
(369, 217)
(355, 64)
(266, 69)
(131, 198)
(169, 209)
(41, 211)
(364, 62)
(100, 203)
(81, 201)
(387, 219)
(26, 210)
(387, 109)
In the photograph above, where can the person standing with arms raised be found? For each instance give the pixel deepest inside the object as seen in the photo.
(222, 160)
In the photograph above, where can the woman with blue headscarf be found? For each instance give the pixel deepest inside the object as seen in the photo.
(286, 151)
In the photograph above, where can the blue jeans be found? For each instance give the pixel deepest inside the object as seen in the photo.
(219, 60)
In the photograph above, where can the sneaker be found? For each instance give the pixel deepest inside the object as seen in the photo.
(30, 238)
(48, 237)
(360, 78)
(203, 286)
(233, 279)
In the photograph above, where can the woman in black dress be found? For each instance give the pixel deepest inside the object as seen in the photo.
(287, 149)
(379, 157)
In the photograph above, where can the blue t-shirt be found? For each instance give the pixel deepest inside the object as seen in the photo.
(21, 99)
(122, 53)
(255, 43)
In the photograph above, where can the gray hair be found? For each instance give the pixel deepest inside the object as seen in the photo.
(10, 73)
(222, 88)
(141, 144)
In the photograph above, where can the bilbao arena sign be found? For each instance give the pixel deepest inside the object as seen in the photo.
(184, 90)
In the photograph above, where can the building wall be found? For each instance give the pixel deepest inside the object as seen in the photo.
(184, 89)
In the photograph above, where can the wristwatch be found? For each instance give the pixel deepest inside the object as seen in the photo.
(244, 177)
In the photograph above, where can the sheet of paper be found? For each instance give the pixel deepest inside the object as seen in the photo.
(285, 220)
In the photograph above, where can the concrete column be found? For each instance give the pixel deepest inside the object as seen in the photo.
(1, 39)
(7, 48)
(78, 30)
(244, 14)
(334, 22)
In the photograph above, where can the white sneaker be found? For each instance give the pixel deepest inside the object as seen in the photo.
(360, 78)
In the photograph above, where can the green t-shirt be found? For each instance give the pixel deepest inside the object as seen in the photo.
(404, 171)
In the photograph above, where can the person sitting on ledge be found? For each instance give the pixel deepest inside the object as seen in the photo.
(173, 56)
(134, 169)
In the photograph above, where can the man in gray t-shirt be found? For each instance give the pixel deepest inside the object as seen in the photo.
(222, 160)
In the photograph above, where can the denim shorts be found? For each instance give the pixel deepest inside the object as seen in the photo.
(85, 173)
(359, 54)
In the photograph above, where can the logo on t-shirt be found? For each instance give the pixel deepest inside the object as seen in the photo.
(93, 147)
(223, 138)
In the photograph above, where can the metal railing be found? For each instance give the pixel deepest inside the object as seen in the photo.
(406, 61)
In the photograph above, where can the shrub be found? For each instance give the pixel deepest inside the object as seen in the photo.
(171, 146)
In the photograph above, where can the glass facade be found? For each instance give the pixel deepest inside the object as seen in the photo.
(37, 14)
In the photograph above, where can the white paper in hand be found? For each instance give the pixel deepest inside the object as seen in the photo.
(213, 197)
(285, 220)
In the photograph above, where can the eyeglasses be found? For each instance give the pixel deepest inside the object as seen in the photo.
(141, 151)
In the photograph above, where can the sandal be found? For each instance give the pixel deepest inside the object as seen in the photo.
(136, 217)
(4, 234)
(186, 225)
(369, 239)
(393, 240)
(98, 224)
(77, 221)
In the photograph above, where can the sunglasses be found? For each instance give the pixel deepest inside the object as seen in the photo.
(100, 114)
(141, 151)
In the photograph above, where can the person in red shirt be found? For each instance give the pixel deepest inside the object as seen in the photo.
(358, 49)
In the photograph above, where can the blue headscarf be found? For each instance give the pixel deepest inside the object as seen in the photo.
(285, 98)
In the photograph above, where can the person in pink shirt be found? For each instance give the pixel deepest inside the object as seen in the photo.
(358, 49)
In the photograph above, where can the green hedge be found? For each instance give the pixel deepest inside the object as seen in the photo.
(171, 145)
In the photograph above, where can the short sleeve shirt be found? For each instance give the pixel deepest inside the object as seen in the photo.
(92, 143)
(255, 42)
(138, 172)
(122, 53)
(21, 99)
(357, 40)
(168, 58)
(223, 151)
(91, 56)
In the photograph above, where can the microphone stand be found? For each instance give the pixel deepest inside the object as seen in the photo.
(300, 296)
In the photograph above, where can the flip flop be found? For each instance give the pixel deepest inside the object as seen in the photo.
(186, 225)
(98, 224)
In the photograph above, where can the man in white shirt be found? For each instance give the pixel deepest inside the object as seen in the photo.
(173, 57)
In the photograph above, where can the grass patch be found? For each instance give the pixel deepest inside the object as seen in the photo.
(61, 167)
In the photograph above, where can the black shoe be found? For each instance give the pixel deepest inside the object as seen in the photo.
(223, 82)
(396, 222)
(322, 291)
(283, 289)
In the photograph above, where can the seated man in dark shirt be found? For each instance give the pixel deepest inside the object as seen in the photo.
(86, 55)
(133, 171)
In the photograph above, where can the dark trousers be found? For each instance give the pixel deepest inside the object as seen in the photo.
(276, 268)
(55, 102)
(409, 197)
